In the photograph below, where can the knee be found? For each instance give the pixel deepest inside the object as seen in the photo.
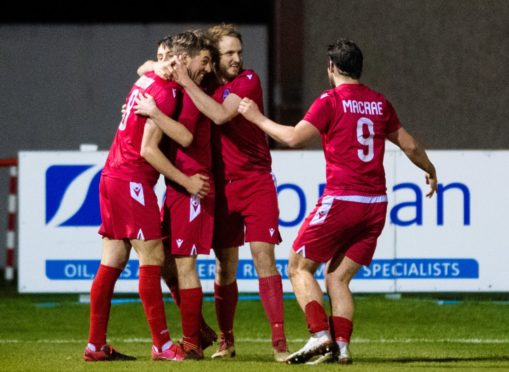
(115, 261)
(154, 257)
(225, 273)
(293, 271)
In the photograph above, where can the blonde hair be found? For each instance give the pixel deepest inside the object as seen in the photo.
(217, 32)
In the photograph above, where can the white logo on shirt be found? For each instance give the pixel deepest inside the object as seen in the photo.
(194, 207)
(250, 76)
(179, 242)
(174, 92)
(324, 95)
(194, 251)
(271, 231)
(137, 192)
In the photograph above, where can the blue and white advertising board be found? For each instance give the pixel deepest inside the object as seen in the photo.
(451, 242)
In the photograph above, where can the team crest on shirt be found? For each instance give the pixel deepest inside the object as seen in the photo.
(194, 207)
(137, 192)
(226, 93)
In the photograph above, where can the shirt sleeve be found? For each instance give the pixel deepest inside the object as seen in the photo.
(393, 123)
(319, 114)
(246, 85)
(190, 115)
(165, 101)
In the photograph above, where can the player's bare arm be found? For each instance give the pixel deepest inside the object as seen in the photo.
(146, 105)
(160, 68)
(197, 184)
(416, 153)
(215, 111)
(291, 136)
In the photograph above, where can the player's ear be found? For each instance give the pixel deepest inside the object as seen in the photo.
(331, 67)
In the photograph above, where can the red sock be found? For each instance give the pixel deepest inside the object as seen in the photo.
(173, 285)
(100, 303)
(190, 310)
(316, 317)
(342, 328)
(226, 298)
(152, 298)
(271, 294)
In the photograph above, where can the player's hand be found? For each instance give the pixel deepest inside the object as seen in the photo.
(179, 71)
(145, 105)
(249, 109)
(433, 184)
(163, 69)
(198, 185)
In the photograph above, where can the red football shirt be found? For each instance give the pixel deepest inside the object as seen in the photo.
(124, 160)
(354, 122)
(197, 157)
(241, 147)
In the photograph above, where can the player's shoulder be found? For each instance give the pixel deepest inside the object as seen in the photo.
(249, 75)
(162, 87)
(327, 94)
(368, 91)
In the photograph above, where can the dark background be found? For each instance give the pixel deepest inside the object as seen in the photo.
(444, 64)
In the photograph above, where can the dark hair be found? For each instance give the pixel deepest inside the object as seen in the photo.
(347, 57)
(166, 41)
(190, 42)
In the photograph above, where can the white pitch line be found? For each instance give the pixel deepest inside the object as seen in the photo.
(297, 340)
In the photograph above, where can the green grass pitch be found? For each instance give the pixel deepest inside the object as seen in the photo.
(415, 333)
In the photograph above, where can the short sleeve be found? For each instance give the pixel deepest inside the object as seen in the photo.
(319, 114)
(190, 115)
(166, 100)
(393, 123)
(246, 85)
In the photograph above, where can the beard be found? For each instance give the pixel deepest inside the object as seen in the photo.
(230, 75)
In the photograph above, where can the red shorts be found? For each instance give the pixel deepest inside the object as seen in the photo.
(246, 203)
(129, 210)
(189, 222)
(340, 227)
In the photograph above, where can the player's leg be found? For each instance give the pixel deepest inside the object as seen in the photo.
(310, 298)
(359, 250)
(114, 258)
(339, 274)
(170, 276)
(191, 298)
(151, 256)
(271, 295)
(226, 297)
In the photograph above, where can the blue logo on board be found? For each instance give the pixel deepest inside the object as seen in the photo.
(72, 195)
